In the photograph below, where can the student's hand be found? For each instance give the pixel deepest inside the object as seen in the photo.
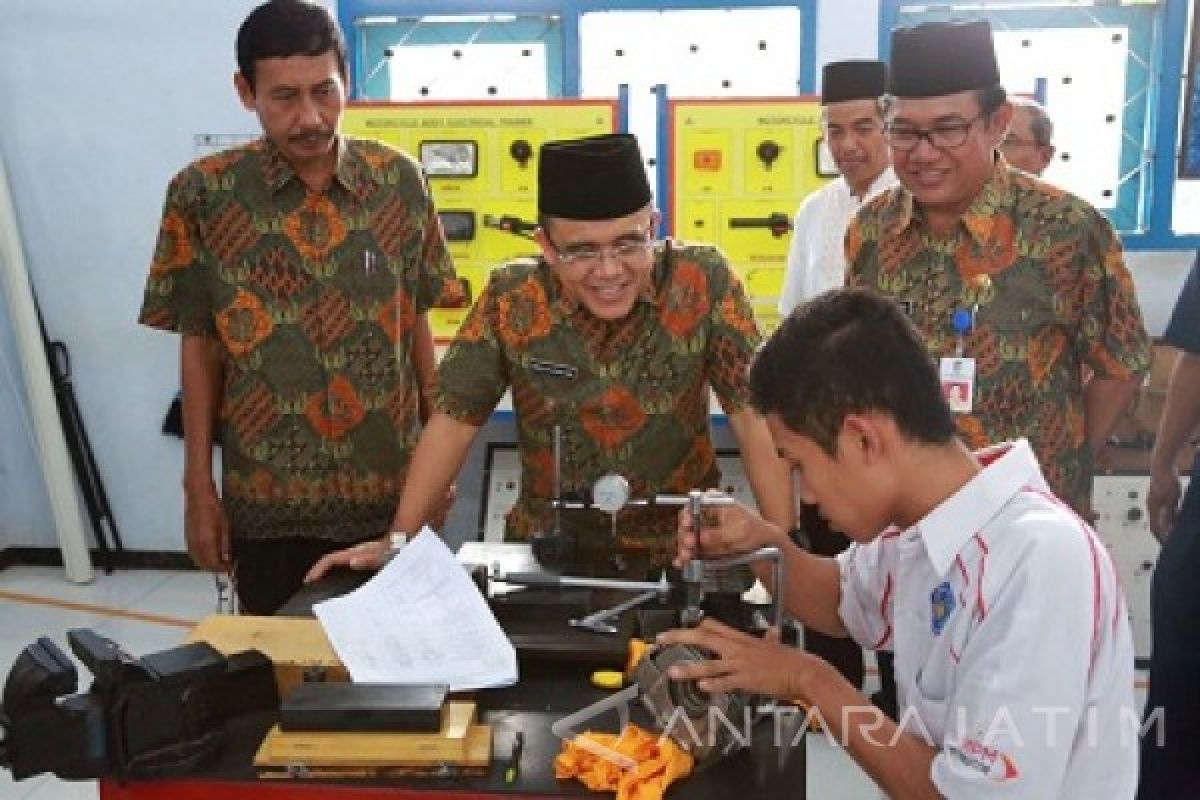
(368, 555)
(727, 530)
(763, 666)
(1162, 502)
(206, 530)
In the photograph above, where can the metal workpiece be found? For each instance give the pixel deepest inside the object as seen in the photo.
(702, 723)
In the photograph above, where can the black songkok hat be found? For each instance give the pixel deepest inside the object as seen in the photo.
(852, 80)
(597, 177)
(940, 58)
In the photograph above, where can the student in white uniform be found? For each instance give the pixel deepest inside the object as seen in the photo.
(1013, 653)
(852, 108)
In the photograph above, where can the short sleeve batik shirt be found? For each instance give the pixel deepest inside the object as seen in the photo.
(313, 298)
(1044, 274)
(631, 396)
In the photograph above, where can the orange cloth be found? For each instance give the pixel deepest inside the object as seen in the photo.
(637, 650)
(657, 763)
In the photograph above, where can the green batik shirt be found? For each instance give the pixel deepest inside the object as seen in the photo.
(1044, 273)
(631, 396)
(313, 298)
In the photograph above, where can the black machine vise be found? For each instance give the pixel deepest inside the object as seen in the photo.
(158, 715)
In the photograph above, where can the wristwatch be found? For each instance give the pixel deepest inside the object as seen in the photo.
(396, 541)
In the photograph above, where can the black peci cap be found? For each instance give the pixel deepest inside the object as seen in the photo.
(940, 58)
(597, 177)
(852, 80)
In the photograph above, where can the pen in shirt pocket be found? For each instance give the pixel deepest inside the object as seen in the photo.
(368, 261)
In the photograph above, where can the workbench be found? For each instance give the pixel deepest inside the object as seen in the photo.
(554, 683)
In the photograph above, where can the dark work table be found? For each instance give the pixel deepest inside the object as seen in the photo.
(556, 662)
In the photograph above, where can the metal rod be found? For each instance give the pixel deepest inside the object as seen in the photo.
(557, 479)
(598, 621)
(662, 585)
(707, 498)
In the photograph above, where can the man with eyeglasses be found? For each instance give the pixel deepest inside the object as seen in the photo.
(611, 336)
(1016, 285)
(852, 106)
(1029, 143)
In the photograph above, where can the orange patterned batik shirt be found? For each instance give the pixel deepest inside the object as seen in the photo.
(313, 298)
(1043, 272)
(631, 396)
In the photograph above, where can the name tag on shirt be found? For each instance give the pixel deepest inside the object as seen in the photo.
(958, 383)
(553, 369)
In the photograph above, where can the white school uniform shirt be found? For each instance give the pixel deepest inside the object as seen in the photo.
(817, 255)
(1013, 652)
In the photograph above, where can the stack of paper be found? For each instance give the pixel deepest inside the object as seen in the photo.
(420, 620)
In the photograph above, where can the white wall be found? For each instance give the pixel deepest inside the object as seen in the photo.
(100, 102)
(846, 29)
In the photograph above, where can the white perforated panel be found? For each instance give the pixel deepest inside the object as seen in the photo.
(1122, 524)
(1084, 74)
(459, 72)
(694, 53)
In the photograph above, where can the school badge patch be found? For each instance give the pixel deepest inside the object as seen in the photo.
(942, 606)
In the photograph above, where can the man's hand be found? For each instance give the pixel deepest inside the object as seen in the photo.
(206, 529)
(1162, 501)
(764, 666)
(437, 519)
(727, 530)
(369, 555)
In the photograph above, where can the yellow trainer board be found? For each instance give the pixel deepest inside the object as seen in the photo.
(738, 170)
(481, 160)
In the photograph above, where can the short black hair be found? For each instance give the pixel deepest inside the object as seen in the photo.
(282, 28)
(990, 99)
(849, 351)
(1040, 124)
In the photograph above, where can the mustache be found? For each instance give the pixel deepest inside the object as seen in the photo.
(325, 133)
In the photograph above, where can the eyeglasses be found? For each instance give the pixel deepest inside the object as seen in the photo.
(946, 136)
(589, 256)
(1017, 141)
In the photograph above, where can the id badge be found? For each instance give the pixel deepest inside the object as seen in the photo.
(958, 383)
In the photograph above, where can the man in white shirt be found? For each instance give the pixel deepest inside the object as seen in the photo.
(1013, 652)
(852, 119)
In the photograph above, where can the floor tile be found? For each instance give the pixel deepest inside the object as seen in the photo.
(64, 790)
(121, 589)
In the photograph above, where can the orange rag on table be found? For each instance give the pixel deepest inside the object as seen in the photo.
(657, 763)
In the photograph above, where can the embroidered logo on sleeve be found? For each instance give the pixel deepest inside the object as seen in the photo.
(942, 605)
(974, 754)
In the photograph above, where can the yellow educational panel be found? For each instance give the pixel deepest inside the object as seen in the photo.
(481, 159)
(739, 169)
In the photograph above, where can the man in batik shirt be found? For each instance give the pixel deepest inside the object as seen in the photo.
(616, 339)
(1016, 285)
(298, 269)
